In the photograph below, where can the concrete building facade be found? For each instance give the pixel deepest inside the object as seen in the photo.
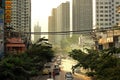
(59, 22)
(82, 15)
(18, 16)
(63, 21)
(106, 13)
(37, 28)
(52, 26)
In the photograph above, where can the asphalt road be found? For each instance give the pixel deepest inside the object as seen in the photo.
(65, 67)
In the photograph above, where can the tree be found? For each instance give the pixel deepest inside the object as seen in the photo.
(102, 64)
(25, 65)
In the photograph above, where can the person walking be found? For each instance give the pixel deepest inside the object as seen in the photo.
(73, 69)
(49, 74)
(53, 75)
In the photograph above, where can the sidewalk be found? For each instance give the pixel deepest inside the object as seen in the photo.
(82, 76)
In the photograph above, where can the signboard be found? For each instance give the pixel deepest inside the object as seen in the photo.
(8, 8)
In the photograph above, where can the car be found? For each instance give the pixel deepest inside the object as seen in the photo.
(68, 76)
(59, 62)
(50, 79)
(56, 71)
(46, 69)
(57, 66)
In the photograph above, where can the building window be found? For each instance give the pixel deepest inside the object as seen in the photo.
(117, 2)
(106, 15)
(101, 15)
(106, 19)
(106, 23)
(106, 2)
(101, 24)
(106, 6)
(101, 11)
(101, 2)
(101, 19)
(117, 15)
(117, 23)
(106, 11)
(101, 7)
(117, 19)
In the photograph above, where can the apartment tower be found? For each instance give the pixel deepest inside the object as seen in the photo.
(63, 21)
(82, 15)
(106, 13)
(37, 28)
(52, 26)
(18, 16)
(59, 22)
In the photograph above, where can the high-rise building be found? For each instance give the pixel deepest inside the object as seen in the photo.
(63, 20)
(106, 13)
(82, 15)
(18, 16)
(37, 28)
(59, 21)
(52, 26)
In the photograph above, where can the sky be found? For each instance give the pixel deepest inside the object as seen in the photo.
(40, 10)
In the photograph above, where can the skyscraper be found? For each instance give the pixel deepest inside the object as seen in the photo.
(52, 26)
(37, 28)
(82, 15)
(18, 16)
(106, 13)
(59, 21)
(63, 20)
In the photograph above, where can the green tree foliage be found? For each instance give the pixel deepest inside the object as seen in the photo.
(25, 65)
(41, 51)
(103, 65)
(16, 67)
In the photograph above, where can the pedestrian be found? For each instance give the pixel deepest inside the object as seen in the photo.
(53, 75)
(73, 68)
(49, 74)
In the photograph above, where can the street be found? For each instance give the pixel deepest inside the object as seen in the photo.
(65, 66)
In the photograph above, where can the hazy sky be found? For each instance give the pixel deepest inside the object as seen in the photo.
(41, 9)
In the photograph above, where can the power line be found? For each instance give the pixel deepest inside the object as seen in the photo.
(74, 32)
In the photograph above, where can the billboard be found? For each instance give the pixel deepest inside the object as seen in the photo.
(1, 32)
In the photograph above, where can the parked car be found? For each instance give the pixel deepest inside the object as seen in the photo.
(68, 76)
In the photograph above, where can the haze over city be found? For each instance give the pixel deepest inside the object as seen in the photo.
(41, 9)
(59, 39)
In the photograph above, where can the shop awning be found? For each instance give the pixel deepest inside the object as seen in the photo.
(15, 45)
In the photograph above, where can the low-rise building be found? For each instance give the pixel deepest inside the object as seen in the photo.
(15, 45)
(109, 38)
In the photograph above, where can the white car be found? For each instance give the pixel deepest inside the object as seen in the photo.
(68, 76)
(50, 79)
